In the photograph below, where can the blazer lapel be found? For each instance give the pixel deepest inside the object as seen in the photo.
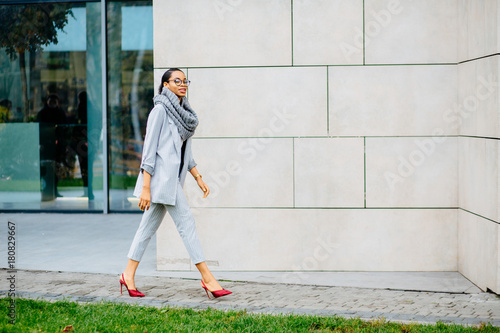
(176, 137)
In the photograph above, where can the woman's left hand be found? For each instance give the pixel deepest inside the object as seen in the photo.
(203, 186)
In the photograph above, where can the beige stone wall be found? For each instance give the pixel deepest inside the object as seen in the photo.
(478, 120)
(329, 132)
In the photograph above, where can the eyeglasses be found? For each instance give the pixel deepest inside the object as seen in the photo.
(178, 82)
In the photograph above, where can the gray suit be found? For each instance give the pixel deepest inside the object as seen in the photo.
(161, 158)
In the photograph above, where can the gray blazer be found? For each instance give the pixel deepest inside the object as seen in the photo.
(161, 158)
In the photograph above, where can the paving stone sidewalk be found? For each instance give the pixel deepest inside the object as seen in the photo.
(402, 306)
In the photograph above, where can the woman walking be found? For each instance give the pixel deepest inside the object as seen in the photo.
(166, 159)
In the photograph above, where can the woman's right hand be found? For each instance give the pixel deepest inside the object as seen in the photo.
(145, 199)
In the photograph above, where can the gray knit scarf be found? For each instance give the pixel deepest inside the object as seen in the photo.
(183, 115)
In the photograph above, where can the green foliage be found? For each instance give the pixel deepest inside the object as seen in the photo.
(43, 316)
(25, 28)
(28, 27)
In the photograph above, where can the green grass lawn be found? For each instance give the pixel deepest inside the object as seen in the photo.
(20, 185)
(44, 316)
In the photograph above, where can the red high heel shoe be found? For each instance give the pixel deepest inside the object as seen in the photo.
(216, 293)
(131, 293)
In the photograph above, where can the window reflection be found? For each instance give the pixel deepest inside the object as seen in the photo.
(130, 92)
(50, 107)
(51, 90)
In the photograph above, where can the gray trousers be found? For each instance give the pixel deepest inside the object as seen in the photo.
(183, 219)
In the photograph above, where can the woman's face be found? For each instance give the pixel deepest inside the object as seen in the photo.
(179, 90)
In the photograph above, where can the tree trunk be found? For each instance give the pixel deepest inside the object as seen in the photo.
(24, 84)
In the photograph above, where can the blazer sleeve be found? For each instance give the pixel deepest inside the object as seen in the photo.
(154, 127)
(191, 162)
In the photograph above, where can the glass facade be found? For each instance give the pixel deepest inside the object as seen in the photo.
(130, 92)
(61, 148)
